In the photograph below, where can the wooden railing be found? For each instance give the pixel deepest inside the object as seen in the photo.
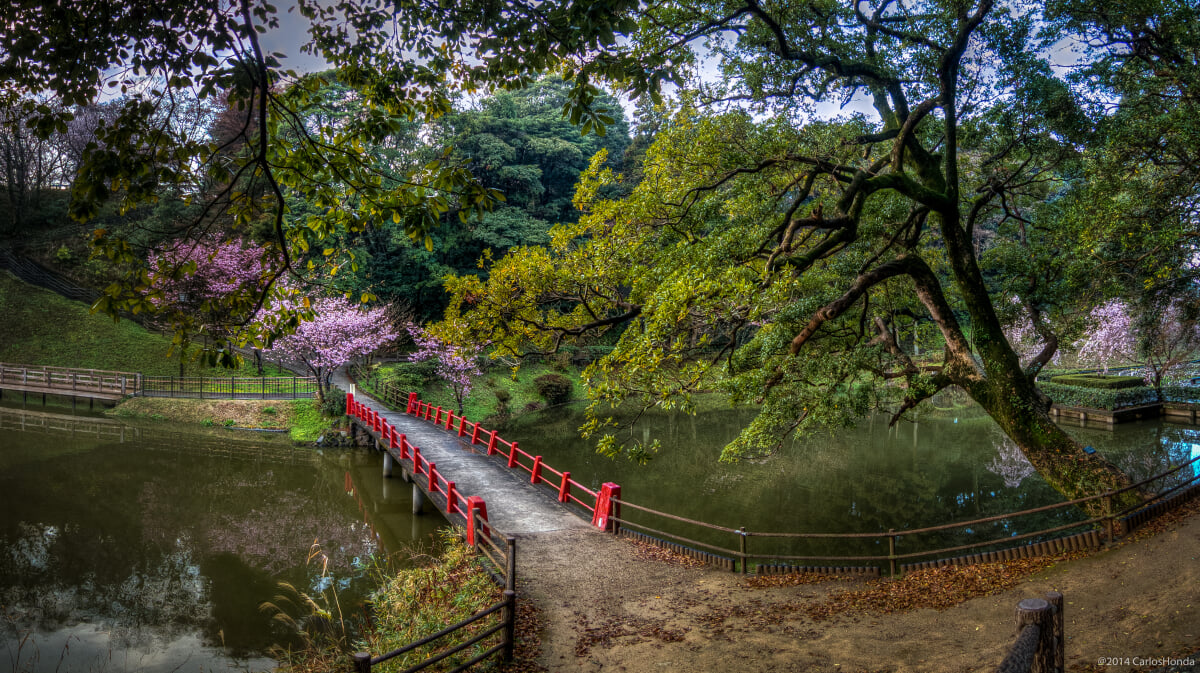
(1105, 527)
(67, 380)
(1040, 646)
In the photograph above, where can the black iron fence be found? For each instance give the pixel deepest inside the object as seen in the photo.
(230, 388)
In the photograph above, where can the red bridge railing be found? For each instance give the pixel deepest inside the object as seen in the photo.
(600, 505)
(471, 508)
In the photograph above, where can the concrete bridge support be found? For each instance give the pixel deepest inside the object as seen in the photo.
(418, 499)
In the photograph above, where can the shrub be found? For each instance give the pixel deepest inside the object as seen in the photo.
(555, 388)
(1099, 381)
(1181, 394)
(335, 402)
(1099, 398)
(269, 410)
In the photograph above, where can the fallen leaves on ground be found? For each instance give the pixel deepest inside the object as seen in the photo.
(936, 588)
(646, 551)
(530, 625)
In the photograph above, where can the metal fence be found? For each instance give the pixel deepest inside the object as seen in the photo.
(231, 388)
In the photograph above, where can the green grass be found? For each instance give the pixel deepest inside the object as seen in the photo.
(43, 328)
(307, 423)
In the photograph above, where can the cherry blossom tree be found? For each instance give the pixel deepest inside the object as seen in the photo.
(203, 286)
(1025, 338)
(338, 332)
(1159, 342)
(457, 365)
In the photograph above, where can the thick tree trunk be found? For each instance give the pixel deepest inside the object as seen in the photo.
(1023, 413)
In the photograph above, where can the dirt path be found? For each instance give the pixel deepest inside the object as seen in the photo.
(607, 606)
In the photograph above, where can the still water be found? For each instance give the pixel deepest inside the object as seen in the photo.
(953, 465)
(139, 547)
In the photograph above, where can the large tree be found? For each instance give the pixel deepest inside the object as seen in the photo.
(792, 261)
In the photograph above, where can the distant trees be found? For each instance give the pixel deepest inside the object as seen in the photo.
(516, 143)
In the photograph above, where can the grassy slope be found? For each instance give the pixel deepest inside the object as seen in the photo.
(40, 327)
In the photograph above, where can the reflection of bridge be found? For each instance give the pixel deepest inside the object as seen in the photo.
(219, 443)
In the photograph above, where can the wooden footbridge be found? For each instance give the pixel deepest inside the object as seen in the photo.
(113, 386)
(90, 384)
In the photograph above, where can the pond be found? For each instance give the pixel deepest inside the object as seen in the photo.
(952, 466)
(142, 547)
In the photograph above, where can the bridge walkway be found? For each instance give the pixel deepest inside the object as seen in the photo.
(514, 505)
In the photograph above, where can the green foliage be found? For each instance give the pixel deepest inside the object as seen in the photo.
(1099, 398)
(308, 421)
(515, 142)
(334, 405)
(1101, 381)
(555, 388)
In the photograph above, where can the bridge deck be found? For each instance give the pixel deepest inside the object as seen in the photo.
(514, 505)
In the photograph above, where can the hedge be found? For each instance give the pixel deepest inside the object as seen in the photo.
(1100, 381)
(1097, 398)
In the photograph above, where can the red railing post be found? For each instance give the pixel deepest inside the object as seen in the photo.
(449, 419)
(450, 495)
(564, 489)
(475, 434)
(349, 404)
(432, 478)
(476, 505)
(462, 420)
(536, 472)
(492, 444)
(403, 446)
(416, 458)
(412, 404)
(512, 454)
(605, 507)
(437, 416)
(395, 442)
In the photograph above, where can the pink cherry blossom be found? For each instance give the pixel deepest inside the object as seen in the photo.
(457, 365)
(338, 332)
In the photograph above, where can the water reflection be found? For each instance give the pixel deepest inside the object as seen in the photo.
(1010, 465)
(144, 547)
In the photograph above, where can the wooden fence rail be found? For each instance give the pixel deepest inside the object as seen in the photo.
(67, 380)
